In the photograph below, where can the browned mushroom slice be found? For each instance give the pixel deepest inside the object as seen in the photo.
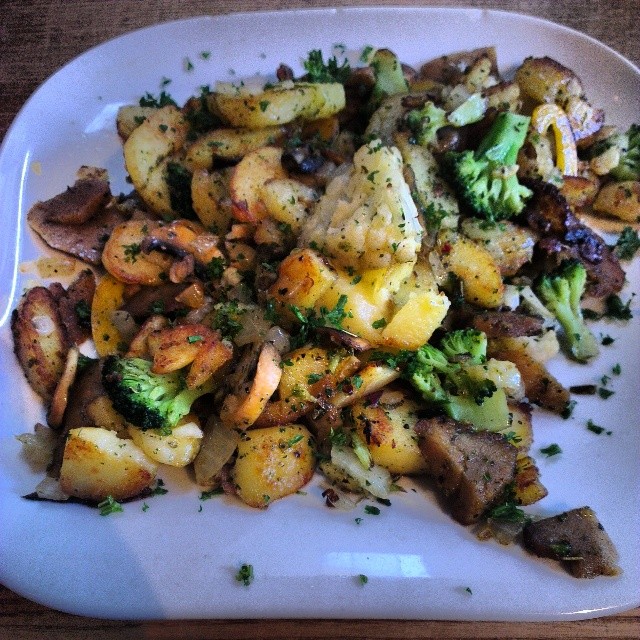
(74, 305)
(471, 468)
(576, 538)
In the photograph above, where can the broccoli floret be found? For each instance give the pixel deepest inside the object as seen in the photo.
(442, 380)
(425, 123)
(486, 179)
(318, 71)
(561, 292)
(628, 148)
(145, 399)
(465, 342)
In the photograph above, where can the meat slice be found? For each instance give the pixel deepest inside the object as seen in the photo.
(576, 538)
(507, 324)
(471, 468)
(564, 237)
(79, 220)
(74, 305)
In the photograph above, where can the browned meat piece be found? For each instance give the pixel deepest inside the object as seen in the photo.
(78, 203)
(507, 324)
(40, 340)
(150, 300)
(471, 468)
(87, 223)
(578, 539)
(563, 237)
(74, 305)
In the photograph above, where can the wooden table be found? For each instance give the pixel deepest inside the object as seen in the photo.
(39, 36)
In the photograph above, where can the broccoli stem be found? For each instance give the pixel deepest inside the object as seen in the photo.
(561, 293)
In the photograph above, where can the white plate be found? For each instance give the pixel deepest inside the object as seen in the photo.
(177, 561)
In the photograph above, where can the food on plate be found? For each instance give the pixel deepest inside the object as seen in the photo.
(360, 272)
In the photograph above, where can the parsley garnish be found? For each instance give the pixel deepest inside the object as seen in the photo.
(207, 495)
(381, 323)
(618, 310)
(363, 579)
(318, 71)
(226, 319)
(245, 574)
(159, 489)
(216, 268)
(132, 251)
(552, 450)
(597, 429)
(627, 245)
(109, 506)
(371, 510)
(164, 99)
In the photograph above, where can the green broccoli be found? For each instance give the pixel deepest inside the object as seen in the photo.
(145, 399)
(628, 147)
(425, 123)
(318, 71)
(561, 292)
(440, 376)
(486, 180)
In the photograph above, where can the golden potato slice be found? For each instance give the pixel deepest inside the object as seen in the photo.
(414, 323)
(546, 80)
(131, 117)
(124, 260)
(527, 487)
(177, 449)
(280, 104)
(303, 277)
(248, 178)
(230, 145)
(40, 341)
(211, 200)
(97, 464)
(620, 200)
(475, 266)
(159, 136)
(287, 200)
(387, 428)
(272, 463)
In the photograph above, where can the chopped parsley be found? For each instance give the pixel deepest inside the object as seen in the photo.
(132, 251)
(618, 310)
(109, 506)
(605, 394)
(597, 429)
(363, 579)
(245, 574)
(628, 244)
(207, 495)
(552, 450)
(381, 323)
(163, 100)
(318, 71)
(568, 410)
(192, 339)
(226, 319)
(371, 510)
(159, 489)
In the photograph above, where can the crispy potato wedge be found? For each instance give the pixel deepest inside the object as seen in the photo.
(247, 180)
(280, 104)
(272, 463)
(288, 201)
(211, 199)
(387, 428)
(40, 340)
(229, 145)
(124, 260)
(177, 449)
(98, 464)
(108, 297)
(131, 117)
(620, 200)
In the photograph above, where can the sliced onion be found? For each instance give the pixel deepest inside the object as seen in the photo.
(49, 489)
(376, 480)
(218, 445)
(38, 447)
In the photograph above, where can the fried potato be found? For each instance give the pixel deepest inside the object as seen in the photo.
(97, 464)
(280, 104)
(40, 340)
(272, 463)
(177, 449)
(108, 297)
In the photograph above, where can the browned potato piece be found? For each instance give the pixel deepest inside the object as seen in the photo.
(546, 80)
(131, 117)
(229, 144)
(272, 463)
(620, 200)
(124, 260)
(540, 386)
(98, 464)
(211, 200)
(248, 178)
(387, 428)
(527, 488)
(449, 69)
(40, 341)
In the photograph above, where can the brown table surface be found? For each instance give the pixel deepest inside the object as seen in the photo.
(39, 36)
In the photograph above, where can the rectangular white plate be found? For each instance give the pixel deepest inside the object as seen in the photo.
(175, 561)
